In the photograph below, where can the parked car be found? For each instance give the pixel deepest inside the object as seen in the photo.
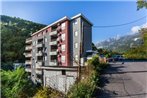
(118, 58)
(110, 59)
(90, 54)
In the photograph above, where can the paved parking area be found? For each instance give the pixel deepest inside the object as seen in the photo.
(128, 80)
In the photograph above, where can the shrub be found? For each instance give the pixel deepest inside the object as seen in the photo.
(86, 87)
(15, 84)
(47, 92)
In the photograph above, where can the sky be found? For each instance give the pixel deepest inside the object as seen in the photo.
(100, 13)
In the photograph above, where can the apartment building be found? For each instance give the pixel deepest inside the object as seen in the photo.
(57, 49)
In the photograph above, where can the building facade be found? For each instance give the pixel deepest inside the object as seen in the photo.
(58, 48)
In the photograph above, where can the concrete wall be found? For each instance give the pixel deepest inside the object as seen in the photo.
(58, 81)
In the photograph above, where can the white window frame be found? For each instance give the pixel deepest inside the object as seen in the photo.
(76, 45)
(45, 58)
(63, 59)
(76, 33)
(63, 36)
(45, 39)
(76, 57)
(39, 34)
(33, 50)
(63, 26)
(63, 47)
(76, 22)
(34, 43)
(44, 32)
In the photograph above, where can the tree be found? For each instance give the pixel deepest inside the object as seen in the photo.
(14, 32)
(141, 4)
(15, 84)
(94, 47)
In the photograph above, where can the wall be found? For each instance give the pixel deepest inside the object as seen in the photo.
(56, 80)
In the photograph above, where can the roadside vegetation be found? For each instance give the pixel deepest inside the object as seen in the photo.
(90, 81)
(16, 84)
(141, 51)
(47, 92)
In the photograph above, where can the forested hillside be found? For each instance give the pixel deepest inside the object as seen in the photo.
(14, 31)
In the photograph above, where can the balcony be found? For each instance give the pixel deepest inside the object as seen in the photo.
(39, 64)
(28, 62)
(28, 69)
(53, 43)
(29, 40)
(28, 55)
(53, 53)
(39, 53)
(53, 63)
(38, 71)
(53, 33)
(28, 47)
(39, 45)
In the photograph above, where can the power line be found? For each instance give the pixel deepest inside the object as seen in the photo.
(107, 26)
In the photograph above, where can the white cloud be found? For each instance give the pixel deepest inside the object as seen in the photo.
(136, 29)
(144, 25)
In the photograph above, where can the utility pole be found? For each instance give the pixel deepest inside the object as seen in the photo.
(43, 63)
(81, 50)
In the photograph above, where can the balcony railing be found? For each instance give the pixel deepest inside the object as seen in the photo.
(53, 53)
(53, 43)
(28, 40)
(28, 62)
(53, 33)
(28, 55)
(28, 48)
(39, 45)
(39, 53)
(53, 62)
(39, 64)
(38, 71)
(28, 69)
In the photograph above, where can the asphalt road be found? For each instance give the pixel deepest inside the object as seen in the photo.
(128, 80)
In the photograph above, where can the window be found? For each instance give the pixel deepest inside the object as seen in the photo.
(33, 50)
(34, 42)
(63, 59)
(63, 72)
(63, 37)
(63, 26)
(76, 33)
(63, 47)
(76, 45)
(45, 39)
(76, 22)
(45, 58)
(76, 57)
(39, 34)
(44, 32)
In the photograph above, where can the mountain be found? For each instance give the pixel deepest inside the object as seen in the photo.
(14, 32)
(121, 44)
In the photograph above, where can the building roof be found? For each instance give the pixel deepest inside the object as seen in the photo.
(81, 15)
(62, 19)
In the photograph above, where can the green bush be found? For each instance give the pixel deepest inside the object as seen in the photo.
(141, 51)
(47, 92)
(15, 84)
(82, 90)
(86, 87)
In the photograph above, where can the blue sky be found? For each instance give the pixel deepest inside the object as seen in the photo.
(98, 12)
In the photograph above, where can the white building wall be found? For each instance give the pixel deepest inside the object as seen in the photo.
(60, 82)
